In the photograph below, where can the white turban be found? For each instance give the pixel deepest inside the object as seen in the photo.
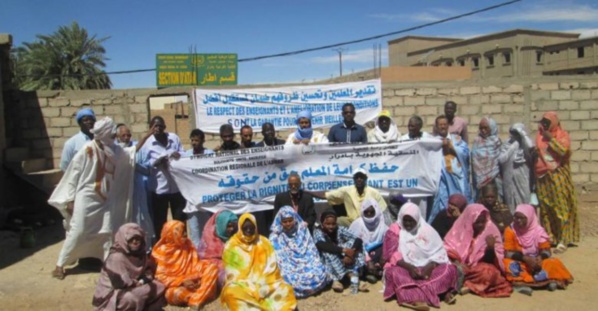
(103, 131)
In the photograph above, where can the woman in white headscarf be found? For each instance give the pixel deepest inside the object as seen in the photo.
(386, 130)
(370, 228)
(422, 272)
(94, 196)
(305, 134)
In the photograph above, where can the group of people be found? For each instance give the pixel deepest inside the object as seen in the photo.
(478, 234)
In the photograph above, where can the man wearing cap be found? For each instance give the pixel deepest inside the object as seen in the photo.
(351, 197)
(86, 118)
(348, 131)
(386, 130)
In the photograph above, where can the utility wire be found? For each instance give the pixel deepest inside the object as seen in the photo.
(249, 59)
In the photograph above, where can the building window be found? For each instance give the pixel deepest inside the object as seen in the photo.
(476, 62)
(490, 60)
(507, 56)
(580, 52)
(462, 62)
(539, 56)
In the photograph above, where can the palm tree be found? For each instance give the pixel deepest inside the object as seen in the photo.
(68, 59)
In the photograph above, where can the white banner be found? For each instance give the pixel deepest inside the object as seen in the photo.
(247, 180)
(280, 106)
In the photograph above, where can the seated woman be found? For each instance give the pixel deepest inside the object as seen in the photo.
(341, 251)
(218, 230)
(474, 245)
(253, 280)
(189, 281)
(445, 220)
(370, 228)
(499, 212)
(296, 252)
(529, 262)
(127, 278)
(422, 271)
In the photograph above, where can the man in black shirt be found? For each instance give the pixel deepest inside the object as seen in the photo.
(300, 201)
(227, 134)
(269, 134)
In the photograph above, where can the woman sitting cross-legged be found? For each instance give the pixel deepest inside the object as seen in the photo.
(218, 230)
(529, 262)
(253, 281)
(189, 281)
(296, 252)
(370, 228)
(422, 272)
(340, 250)
(475, 246)
(127, 278)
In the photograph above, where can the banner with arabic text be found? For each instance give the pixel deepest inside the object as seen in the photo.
(247, 180)
(279, 106)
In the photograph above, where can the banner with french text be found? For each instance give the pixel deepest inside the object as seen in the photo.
(280, 106)
(247, 180)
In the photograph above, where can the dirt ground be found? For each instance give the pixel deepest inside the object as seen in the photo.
(25, 282)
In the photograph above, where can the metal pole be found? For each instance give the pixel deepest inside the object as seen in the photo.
(340, 59)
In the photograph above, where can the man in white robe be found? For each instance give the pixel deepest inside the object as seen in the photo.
(386, 130)
(94, 196)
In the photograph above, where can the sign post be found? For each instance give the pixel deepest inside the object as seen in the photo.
(196, 69)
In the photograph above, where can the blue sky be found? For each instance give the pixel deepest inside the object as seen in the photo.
(138, 30)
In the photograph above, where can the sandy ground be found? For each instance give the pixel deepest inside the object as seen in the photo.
(25, 282)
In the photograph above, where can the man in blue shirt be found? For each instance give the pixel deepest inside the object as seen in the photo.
(86, 118)
(348, 131)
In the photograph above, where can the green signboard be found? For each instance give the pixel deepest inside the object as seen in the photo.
(196, 69)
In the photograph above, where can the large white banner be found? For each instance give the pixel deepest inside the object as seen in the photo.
(247, 180)
(279, 106)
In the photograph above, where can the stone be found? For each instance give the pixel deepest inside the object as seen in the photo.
(414, 101)
(580, 115)
(568, 105)
(467, 90)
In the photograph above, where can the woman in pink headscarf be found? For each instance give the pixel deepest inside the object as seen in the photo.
(421, 270)
(474, 244)
(528, 261)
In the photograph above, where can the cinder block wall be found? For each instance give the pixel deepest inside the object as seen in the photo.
(46, 118)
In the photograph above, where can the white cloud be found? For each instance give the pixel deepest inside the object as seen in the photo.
(357, 56)
(584, 32)
(432, 15)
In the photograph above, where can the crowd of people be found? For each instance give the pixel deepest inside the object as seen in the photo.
(501, 213)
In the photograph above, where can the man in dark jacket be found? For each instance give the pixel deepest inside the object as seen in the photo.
(300, 201)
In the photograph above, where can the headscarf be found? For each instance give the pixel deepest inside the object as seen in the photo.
(549, 160)
(422, 244)
(369, 230)
(393, 208)
(306, 133)
(85, 112)
(102, 132)
(526, 142)
(124, 234)
(457, 200)
(392, 134)
(484, 155)
(461, 236)
(533, 234)
(214, 234)
(175, 255)
(325, 214)
(246, 241)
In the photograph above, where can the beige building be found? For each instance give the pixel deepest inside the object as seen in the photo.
(513, 53)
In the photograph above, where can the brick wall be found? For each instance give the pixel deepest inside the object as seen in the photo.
(46, 118)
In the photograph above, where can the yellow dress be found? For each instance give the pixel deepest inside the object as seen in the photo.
(253, 281)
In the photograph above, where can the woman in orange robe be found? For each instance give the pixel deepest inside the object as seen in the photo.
(189, 281)
(528, 261)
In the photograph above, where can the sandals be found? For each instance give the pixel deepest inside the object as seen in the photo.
(337, 287)
(464, 290)
(451, 297)
(560, 248)
(58, 274)
(364, 287)
(417, 306)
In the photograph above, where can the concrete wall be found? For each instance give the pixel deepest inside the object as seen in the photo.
(48, 116)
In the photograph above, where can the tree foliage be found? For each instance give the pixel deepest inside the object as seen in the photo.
(68, 59)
